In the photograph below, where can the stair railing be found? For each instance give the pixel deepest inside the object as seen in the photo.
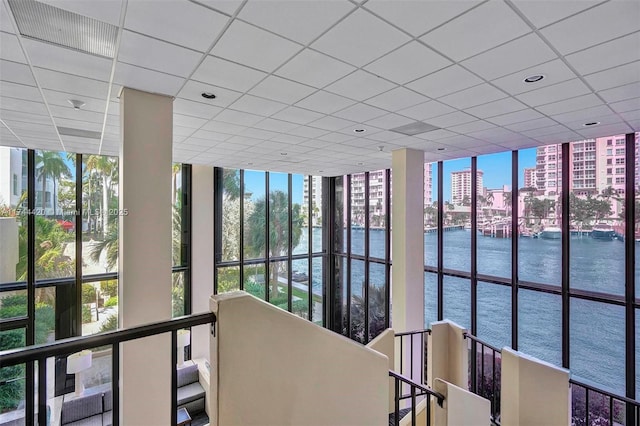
(416, 391)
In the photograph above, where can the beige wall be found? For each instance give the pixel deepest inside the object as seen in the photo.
(462, 408)
(270, 367)
(144, 286)
(448, 356)
(529, 384)
(9, 250)
(384, 343)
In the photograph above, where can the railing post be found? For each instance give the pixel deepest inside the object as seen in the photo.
(174, 377)
(396, 418)
(42, 391)
(115, 383)
(413, 405)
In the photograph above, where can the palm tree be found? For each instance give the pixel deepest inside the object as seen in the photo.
(105, 167)
(50, 165)
(278, 230)
(175, 170)
(506, 199)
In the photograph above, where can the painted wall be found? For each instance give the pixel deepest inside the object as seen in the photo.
(385, 344)
(448, 356)
(8, 249)
(462, 408)
(270, 367)
(528, 384)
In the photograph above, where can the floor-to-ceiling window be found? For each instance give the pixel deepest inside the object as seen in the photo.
(269, 238)
(560, 290)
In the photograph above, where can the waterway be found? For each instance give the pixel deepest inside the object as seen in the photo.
(596, 329)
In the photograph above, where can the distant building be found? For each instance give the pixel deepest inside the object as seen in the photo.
(428, 184)
(313, 187)
(548, 178)
(530, 177)
(377, 196)
(461, 185)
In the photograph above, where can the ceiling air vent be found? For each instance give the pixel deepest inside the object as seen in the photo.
(415, 128)
(43, 22)
(79, 133)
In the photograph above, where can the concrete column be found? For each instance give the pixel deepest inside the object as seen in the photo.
(202, 254)
(146, 122)
(448, 356)
(407, 240)
(9, 251)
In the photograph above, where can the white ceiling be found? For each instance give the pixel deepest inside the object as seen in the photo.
(294, 78)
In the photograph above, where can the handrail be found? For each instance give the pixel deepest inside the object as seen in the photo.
(490, 391)
(475, 339)
(76, 344)
(411, 336)
(604, 392)
(399, 381)
(589, 413)
(440, 397)
(407, 333)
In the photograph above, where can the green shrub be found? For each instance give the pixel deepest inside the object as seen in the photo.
(86, 314)
(88, 293)
(110, 324)
(110, 288)
(112, 301)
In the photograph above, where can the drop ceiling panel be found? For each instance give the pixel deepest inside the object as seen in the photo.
(477, 95)
(178, 21)
(519, 54)
(369, 38)
(585, 115)
(80, 115)
(587, 29)
(195, 109)
(258, 106)
(417, 59)
(610, 54)
(90, 104)
(192, 91)
(136, 49)
(303, 20)
(474, 126)
(78, 124)
(499, 107)
(308, 132)
(573, 104)
(71, 84)
(443, 82)
(452, 119)
(10, 48)
(219, 72)
(360, 113)
(19, 91)
(614, 77)
(282, 90)
(297, 115)
(515, 117)
(418, 17)
(21, 105)
(314, 68)
(237, 117)
(531, 124)
(624, 106)
(251, 46)
(325, 102)
(360, 85)
(56, 58)
(554, 72)
(331, 123)
(147, 80)
(6, 23)
(467, 35)
(211, 137)
(557, 92)
(612, 129)
(621, 93)
(544, 12)
(18, 116)
(389, 121)
(16, 73)
(188, 121)
(102, 10)
(336, 137)
(426, 110)
(396, 99)
(275, 125)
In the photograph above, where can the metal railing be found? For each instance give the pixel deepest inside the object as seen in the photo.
(593, 406)
(408, 341)
(39, 353)
(416, 392)
(480, 381)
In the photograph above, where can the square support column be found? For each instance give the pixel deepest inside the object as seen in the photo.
(407, 240)
(144, 290)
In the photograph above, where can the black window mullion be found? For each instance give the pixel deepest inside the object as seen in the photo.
(187, 236)
(566, 238)
(241, 254)
(76, 302)
(310, 180)
(365, 291)
(267, 230)
(630, 285)
(347, 214)
(217, 223)
(387, 251)
(31, 269)
(328, 265)
(474, 247)
(440, 241)
(290, 243)
(514, 250)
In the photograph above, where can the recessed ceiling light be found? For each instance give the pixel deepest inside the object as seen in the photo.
(359, 130)
(76, 103)
(534, 78)
(320, 171)
(441, 149)
(208, 95)
(593, 123)
(283, 153)
(249, 164)
(360, 163)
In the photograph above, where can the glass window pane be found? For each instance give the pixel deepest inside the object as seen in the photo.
(539, 245)
(278, 281)
(228, 279)
(598, 356)
(300, 287)
(278, 214)
(431, 214)
(12, 383)
(316, 213)
(430, 298)
(45, 315)
(341, 292)
(13, 304)
(255, 208)
(494, 314)
(99, 307)
(457, 211)
(55, 219)
(254, 280)
(357, 213)
(358, 303)
(13, 215)
(231, 215)
(637, 353)
(540, 325)
(339, 239)
(494, 215)
(457, 300)
(318, 280)
(299, 217)
(178, 247)
(595, 205)
(177, 294)
(377, 299)
(99, 214)
(377, 214)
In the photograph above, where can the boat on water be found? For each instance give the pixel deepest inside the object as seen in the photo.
(603, 231)
(550, 233)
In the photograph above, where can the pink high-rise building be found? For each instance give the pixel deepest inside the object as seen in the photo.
(530, 177)
(428, 184)
(461, 185)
